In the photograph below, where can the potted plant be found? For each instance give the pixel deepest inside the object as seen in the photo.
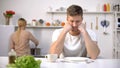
(8, 14)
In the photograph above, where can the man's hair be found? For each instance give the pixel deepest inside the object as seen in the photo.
(74, 10)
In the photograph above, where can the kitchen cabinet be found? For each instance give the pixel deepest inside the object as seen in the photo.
(92, 20)
(117, 35)
(5, 32)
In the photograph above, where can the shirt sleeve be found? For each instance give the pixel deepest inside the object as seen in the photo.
(33, 39)
(55, 35)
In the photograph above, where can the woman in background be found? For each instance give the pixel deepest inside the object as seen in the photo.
(19, 40)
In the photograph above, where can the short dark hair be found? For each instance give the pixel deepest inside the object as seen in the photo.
(74, 10)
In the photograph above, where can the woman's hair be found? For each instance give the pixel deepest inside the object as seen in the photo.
(21, 23)
(74, 10)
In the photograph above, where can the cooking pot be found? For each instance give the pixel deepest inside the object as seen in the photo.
(35, 51)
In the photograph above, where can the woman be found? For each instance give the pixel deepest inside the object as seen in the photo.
(19, 40)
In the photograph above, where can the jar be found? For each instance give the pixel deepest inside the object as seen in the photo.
(34, 22)
(12, 56)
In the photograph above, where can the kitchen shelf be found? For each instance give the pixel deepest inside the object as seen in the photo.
(118, 28)
(44, 27)
(62, 12)
(56, 12)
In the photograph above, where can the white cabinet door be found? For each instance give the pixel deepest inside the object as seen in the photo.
(5, 32)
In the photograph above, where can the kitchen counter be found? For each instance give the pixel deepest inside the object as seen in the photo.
(98, 63)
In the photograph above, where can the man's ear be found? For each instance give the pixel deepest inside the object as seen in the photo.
(83, 21)
(67, 18)
(82, 18)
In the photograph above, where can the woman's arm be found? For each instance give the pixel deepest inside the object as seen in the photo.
(33, 39)
(12, 44)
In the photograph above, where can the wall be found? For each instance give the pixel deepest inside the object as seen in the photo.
(36, 9)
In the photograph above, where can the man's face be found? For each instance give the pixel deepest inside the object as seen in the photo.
(74, 21)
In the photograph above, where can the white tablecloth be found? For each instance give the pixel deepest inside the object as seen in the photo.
(98, 63)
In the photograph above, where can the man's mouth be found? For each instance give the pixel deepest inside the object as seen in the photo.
(75, 29)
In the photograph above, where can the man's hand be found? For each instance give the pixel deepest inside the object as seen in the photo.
(67, 27)
(82, 27)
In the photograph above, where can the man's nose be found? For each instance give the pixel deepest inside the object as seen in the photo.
(74, 24)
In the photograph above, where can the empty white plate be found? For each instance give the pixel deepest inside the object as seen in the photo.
(75, 59)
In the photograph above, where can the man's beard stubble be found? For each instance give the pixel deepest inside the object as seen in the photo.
(75, 29)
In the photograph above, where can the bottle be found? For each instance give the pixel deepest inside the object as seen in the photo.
(108, 7)
(105, 7)
(12, 56)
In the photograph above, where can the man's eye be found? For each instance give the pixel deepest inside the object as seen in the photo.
(72, 21)
(77, 21)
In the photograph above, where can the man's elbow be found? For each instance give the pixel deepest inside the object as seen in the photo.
(94, 56)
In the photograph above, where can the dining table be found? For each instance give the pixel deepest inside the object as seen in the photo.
(62, 63)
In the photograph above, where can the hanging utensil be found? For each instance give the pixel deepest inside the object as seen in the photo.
(96, 23)
(91, 25)
(105, 24)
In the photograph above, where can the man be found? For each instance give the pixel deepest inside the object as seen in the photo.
(74, 40)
